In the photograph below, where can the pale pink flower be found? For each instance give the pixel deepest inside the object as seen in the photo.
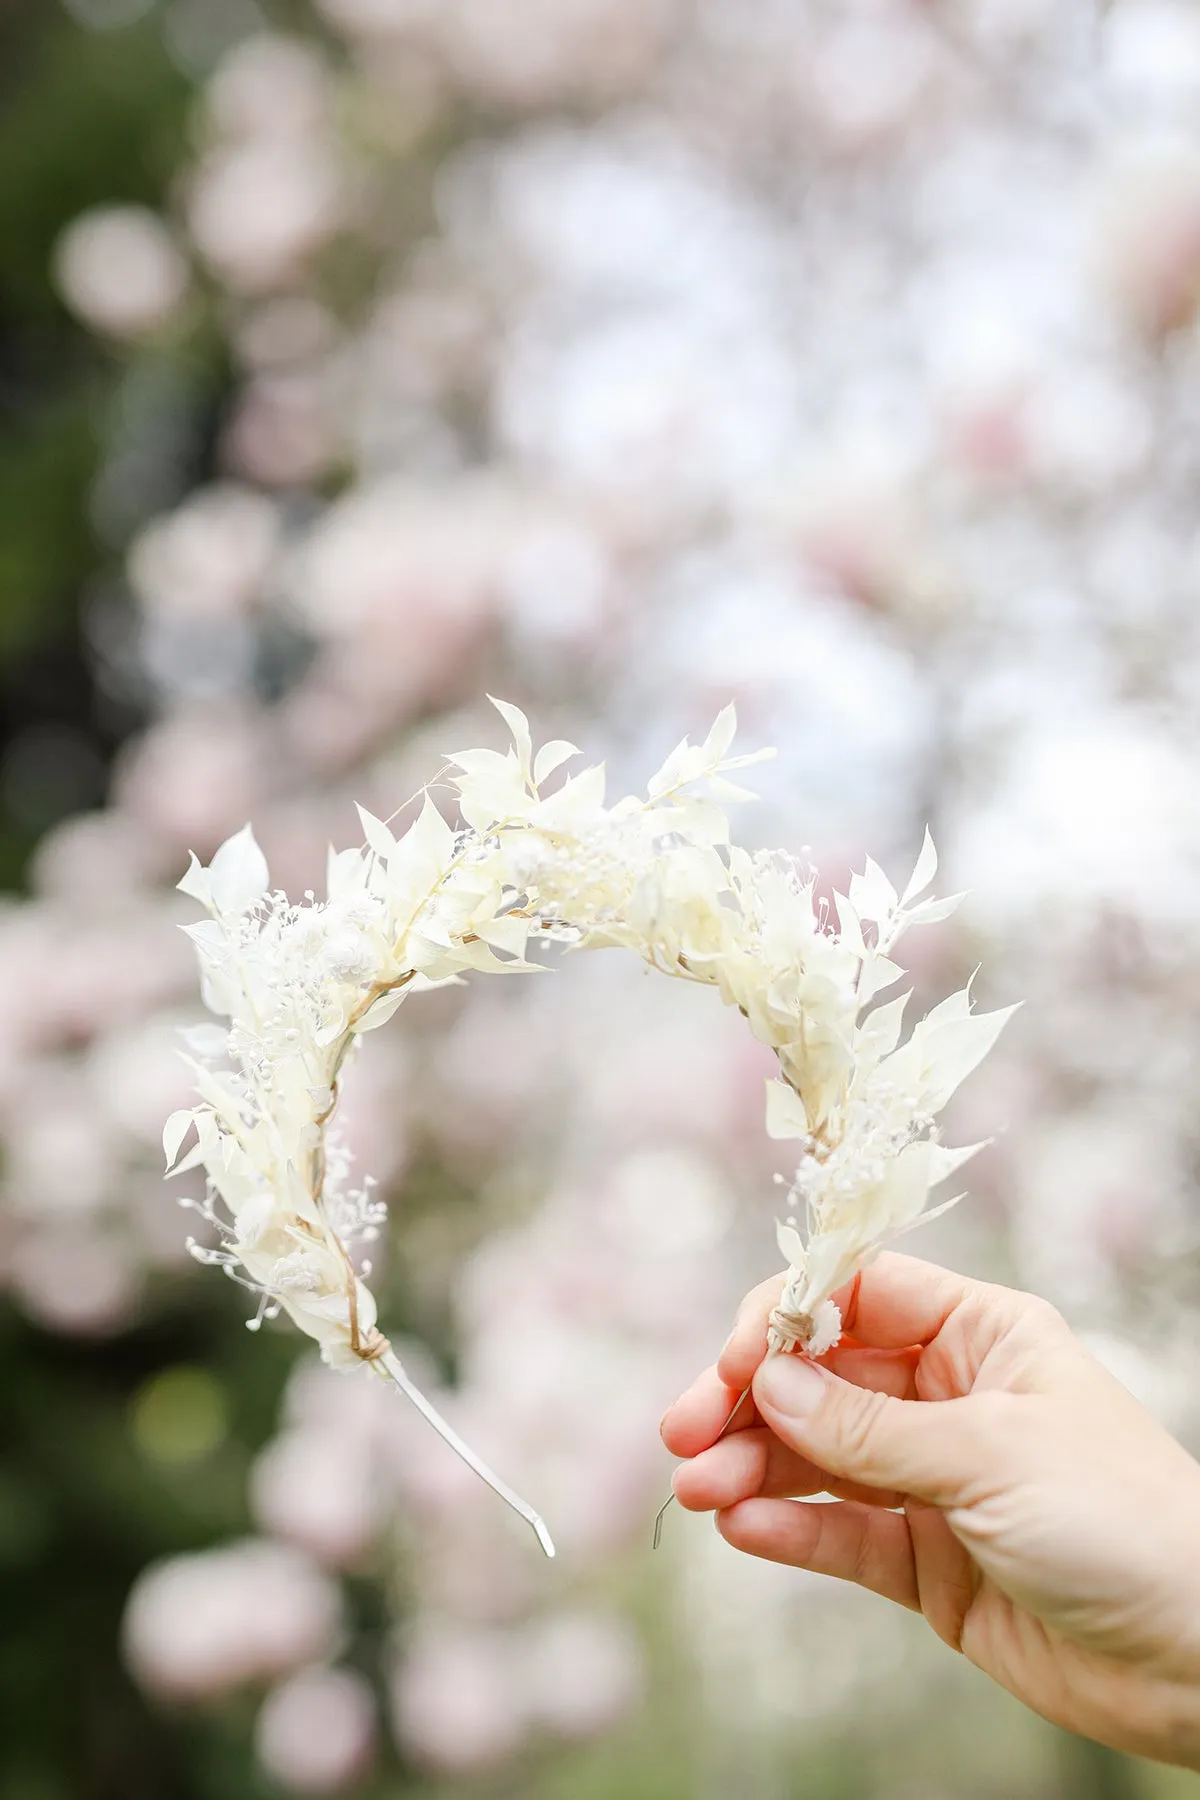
(120, 269)
(456, 1700)
(108, 855)
(316, 1731)
(270, 86)
(194, 777)
(584, 1672)
(78, 1281)
(544, 50)
(259, 210)
(136, 1076)
(208, 560)
(319, 1490)
(1149, 234)
(62, 1154)
(201, 1625)
(282, 433)
(872, 75)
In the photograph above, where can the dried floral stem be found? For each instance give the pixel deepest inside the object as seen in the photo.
(390, 1365)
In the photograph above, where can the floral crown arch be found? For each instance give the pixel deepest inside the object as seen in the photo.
(299, 984)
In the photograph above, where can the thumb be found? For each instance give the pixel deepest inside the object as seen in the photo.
(934, 1450)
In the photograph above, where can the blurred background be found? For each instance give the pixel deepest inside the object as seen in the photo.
(620, 357)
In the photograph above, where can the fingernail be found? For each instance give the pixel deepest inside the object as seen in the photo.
(790, 1386)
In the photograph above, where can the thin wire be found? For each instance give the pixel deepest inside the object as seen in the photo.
(660, 1514)
(391, 1364)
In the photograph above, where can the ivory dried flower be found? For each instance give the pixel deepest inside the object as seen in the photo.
(300, 984)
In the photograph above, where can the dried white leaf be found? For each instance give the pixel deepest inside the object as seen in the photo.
(932, 912)
(731, 792)
(872, 894)
(197, 883)
(552, 756)
(924, 872)
(723, 732)
(518, 724)
(576, 803)
(791, 1245)
(850, 931)
(239, 874)
(508, 933)
(377, 835)
(956, 1049)
(500, 764)
(206, 1041)
(879, 972)
(671, 772)
(750, 759)
(384, 1009)
(345, 874)
(879, 1032)
(786, 1115)
(945, 1162)
(174, 1132)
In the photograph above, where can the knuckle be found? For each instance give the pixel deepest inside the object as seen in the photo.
(757, 1303)
(860, 1553)
(750, 1320)
(856, 1424)
(1041, 1314)
(1016, 1308)
(992, 1419)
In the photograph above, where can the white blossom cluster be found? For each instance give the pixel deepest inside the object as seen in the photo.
(301, 983)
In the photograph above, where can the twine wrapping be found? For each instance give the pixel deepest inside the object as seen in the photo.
(788, 1331)
(810, 1333)
(371, 1347)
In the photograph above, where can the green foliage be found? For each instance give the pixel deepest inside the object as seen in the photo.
(82, 1509)
(85, 119)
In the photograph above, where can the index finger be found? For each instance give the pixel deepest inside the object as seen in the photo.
(705, 1413)
(895, 1303)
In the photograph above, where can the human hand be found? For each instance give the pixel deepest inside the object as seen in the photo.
(988, 1473)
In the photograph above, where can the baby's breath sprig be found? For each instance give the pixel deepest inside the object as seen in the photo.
(299, 985)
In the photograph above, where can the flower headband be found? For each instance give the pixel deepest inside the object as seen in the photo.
(299, 984)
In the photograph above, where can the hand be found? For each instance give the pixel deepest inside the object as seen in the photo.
(988, 1473)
